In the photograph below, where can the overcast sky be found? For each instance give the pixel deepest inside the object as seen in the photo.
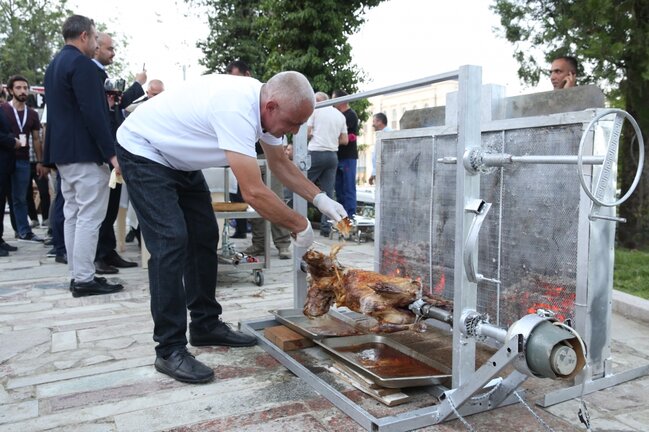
(402, 40)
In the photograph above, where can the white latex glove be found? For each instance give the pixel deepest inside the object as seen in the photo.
(114, 179)
(329, 207)
(304, 238)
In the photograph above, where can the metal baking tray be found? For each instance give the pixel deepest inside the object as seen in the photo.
(385, 361)
(329, 325)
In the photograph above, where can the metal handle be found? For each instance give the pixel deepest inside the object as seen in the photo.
(480, 208)
(610, 158)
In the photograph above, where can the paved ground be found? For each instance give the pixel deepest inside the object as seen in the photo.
(85, 364)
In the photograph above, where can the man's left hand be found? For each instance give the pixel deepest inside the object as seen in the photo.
(115, 164)
(329, 207)
(41, 171)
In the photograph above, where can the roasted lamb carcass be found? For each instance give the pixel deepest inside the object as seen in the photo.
(385, 298)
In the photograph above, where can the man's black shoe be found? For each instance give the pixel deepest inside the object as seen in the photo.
(239, 235)
(49, 242)
(130, 236)
(101, 267)
(115, 260)
(222, 335)
(62, 259)
(7, 247)
(96, 286)
(182, 366)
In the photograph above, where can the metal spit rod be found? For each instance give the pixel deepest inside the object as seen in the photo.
(426, 311)
(497, 160)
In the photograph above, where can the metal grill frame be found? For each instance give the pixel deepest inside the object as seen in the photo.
(467, 381)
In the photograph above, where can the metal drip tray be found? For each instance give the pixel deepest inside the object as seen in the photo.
(385, 361)
(328, 325)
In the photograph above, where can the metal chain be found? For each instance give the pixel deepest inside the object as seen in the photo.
(457, 414)
(529, 408)
(583, 414)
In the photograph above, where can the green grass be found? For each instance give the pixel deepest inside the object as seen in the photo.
(632, 272)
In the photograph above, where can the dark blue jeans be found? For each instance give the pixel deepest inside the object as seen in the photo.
(346, 185)
(180, 231)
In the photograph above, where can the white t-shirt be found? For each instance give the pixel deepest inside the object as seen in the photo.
(188, 128)
(327, 123)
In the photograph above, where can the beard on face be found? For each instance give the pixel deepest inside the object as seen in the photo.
(21, 97)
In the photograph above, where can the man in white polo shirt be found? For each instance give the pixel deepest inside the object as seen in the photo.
(327, 129)
(210, 122)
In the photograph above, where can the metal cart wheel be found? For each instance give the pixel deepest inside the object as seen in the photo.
(259, 277)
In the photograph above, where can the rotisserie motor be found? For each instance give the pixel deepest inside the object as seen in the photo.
(385, 298)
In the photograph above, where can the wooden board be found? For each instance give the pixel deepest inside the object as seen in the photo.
(229, 207)
(286, 339)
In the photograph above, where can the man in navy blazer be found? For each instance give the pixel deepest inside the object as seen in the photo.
(107, 260)
(79, 141)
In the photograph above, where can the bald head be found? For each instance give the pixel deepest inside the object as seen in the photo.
(321, 96)
(154, 88)
(291, 88)
(287, 101)
(105, 51)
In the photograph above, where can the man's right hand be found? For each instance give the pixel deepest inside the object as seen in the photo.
(141, 77)
(332, 209)
(304, 238)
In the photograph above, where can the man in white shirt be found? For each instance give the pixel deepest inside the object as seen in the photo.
(379, 123)
(163, 145)
(327, 128)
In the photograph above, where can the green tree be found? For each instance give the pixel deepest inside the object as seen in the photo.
(30, 33)
(234, 35)
(311, 37)
(610, 38)
(275, 35)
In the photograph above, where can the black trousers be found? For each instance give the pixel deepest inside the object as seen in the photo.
(106, 243)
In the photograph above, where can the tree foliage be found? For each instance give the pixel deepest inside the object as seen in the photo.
(275, 35)
(610, 38)
(30, 33)
(234, 35)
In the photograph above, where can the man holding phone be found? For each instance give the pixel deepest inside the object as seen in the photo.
(563, 72)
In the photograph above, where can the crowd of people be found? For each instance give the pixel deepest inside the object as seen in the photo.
(156, 143)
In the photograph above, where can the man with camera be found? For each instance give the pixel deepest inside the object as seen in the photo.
(107, 260)
(79, 141)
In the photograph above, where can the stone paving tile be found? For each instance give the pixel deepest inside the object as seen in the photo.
(78, 372)
(15, 412)
(16, 342)
(95, 382)
(64, 341)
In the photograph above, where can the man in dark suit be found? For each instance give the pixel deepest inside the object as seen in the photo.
(8, 145)
(78, 140)
(107, 260)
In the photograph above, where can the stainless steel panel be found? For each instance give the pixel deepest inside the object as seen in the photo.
(315, 328)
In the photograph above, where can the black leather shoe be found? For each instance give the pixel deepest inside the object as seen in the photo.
(7, 247)
(222, 335)
(97, 286)
(101, 267)
(62, 259)
(117, 261)
(182, 366)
